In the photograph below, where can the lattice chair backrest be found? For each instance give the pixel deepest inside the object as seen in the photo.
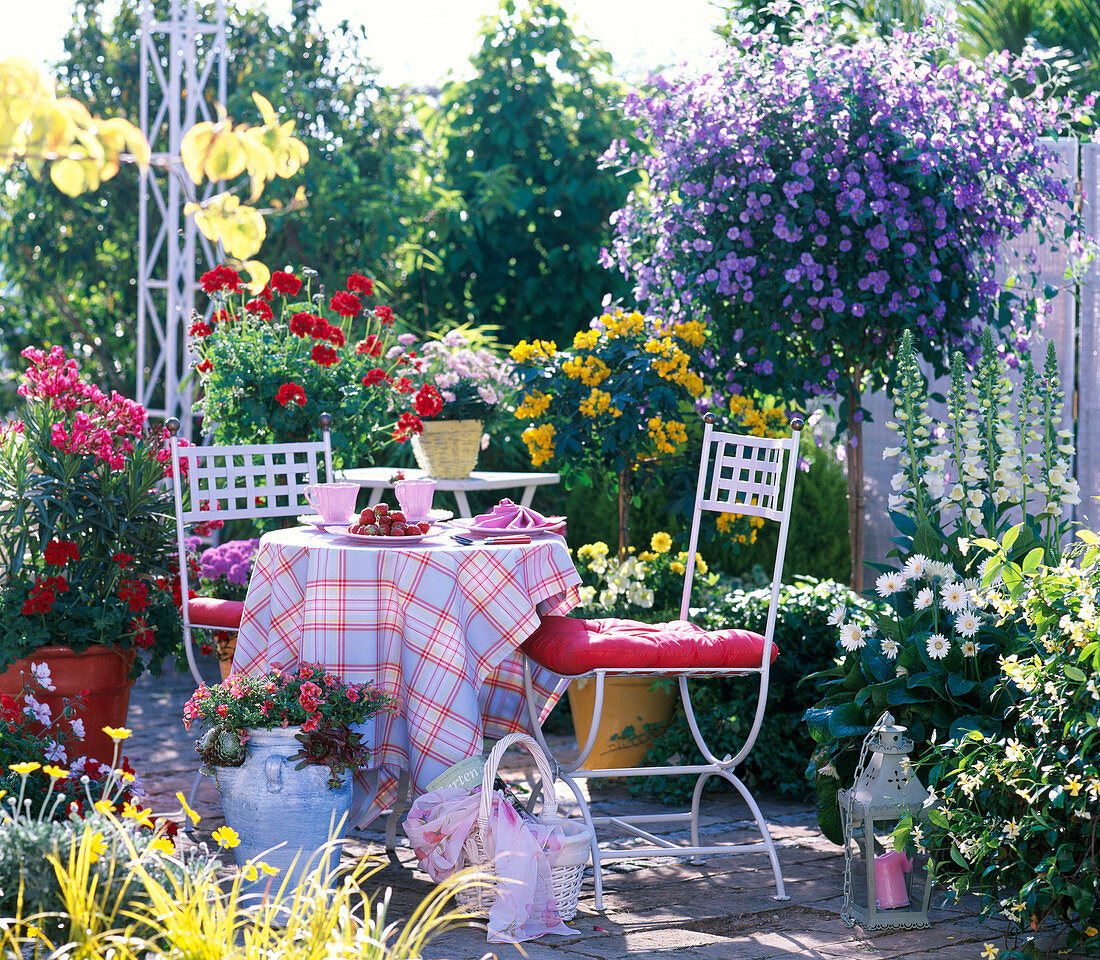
(748, 475)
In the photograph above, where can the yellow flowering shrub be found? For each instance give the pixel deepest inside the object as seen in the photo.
(619, 395)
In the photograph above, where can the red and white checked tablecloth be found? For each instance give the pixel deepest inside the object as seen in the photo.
(436, 624)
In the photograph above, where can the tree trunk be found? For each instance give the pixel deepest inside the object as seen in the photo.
(856, 499)
(624, 512)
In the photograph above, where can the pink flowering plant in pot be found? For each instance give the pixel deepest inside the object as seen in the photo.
(326, 708)
(85, 521)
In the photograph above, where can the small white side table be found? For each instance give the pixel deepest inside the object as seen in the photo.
(377, 479)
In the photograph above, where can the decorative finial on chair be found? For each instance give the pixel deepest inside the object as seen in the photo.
(325, 420)
(172, 425)
(797, 423)
(710, 418)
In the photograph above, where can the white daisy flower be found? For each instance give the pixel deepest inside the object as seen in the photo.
(916, 566)
(851, 637)
(969, 648)
(889, 583)
(941, 569)
(889, 649)
(925, 598)
(836, 618)
(938, 646)
(967, 623)
(953, 597)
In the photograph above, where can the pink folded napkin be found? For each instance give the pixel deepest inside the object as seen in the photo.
(511, 516)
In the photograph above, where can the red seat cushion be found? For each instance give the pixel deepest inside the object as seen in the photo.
(571, 647)
(211, 612)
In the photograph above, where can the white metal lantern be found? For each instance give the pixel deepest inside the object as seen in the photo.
(884, 888)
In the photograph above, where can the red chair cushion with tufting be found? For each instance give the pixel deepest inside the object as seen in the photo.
(211, 612)
(572, 647)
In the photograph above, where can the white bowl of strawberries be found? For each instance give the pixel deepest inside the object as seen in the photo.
(381, 523)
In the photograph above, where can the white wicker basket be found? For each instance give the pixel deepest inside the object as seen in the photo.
(566, 868)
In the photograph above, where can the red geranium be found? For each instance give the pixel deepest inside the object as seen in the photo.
(345, 304)
(429, 401)
(59, 552)
(324, 356)
(371, 346)
(385, 314)
(205, 367)
(403, 385)
(303, 324)
(407, 425)
(135, 594)
(291, 391)
(200, 328)
(357, 283)
(259, 308)
(375, 375)
(220, 278)
(122, 559)
(285, 283)
(332, 334)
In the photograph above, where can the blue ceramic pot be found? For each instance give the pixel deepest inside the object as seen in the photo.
(281, 813)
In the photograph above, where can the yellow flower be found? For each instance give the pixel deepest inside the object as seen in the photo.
(265, 867)
(97, 846)
(692, 332)
(700, 565)
(24, 768)
(989, 952)
(623, 325)
(1091, 931)
(645, 556)
(677, 568)
(163, 845)
(534, 405)
(117, 733)
(598, 402)
(660, 542)
(586, 340)
(104, 806)
(194, 817)
(1073, 786)
(226, 837)
(540, 442)
(249, 871)
(591, 550)
(140, 814)
(524, 352)
(55, 773)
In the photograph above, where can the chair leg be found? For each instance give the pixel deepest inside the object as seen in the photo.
(400, 805)
(188, 826)
(586, 816)
(754, 808)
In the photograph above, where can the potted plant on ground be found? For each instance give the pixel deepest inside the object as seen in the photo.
(462, 389)
(85, 541)
(281, 749)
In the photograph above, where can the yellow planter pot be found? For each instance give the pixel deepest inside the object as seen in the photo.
(448, 449)
(627, 702)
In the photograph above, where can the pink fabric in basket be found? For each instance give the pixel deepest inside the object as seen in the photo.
(511, 516)
(438, 825)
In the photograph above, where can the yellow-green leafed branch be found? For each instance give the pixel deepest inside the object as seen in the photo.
(40, 129)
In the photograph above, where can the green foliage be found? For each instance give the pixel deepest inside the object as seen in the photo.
(725, 708)
(1018, 823)
(519, 144)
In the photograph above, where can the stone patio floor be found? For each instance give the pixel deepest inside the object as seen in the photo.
(721, 910)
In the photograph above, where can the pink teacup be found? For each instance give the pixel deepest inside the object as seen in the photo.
(335, 502)
(415, 497)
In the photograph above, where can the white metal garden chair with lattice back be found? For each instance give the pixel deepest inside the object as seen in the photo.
(233, 482)
(738, 474)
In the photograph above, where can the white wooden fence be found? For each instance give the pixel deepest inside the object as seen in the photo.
(1074, 328)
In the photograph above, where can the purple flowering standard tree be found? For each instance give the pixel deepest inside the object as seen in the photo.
(812, 200)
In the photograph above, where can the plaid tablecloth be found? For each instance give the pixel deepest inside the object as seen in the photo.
(438, 625)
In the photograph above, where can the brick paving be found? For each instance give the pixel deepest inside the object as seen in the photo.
(720, 910)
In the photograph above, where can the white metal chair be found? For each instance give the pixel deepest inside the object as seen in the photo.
(737, 474)
(233, 482)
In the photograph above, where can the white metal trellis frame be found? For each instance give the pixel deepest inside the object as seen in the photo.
(179, 56)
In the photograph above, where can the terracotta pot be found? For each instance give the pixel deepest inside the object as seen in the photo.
(628, 702)
(100, 670)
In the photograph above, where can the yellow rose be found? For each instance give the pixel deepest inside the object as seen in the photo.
(677, 568)
(660, 542)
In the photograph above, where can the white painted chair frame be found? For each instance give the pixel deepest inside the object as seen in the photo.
(274, 471)
(761, 470)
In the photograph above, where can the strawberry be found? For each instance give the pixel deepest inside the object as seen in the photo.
(425, 526)
(397, 529)
(381, 509)
(370, 529)
(367, 516)
(397, 516)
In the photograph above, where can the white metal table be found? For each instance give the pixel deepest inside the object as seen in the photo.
(378, 479)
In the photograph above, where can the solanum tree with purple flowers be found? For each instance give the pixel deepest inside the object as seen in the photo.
(811, 200)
